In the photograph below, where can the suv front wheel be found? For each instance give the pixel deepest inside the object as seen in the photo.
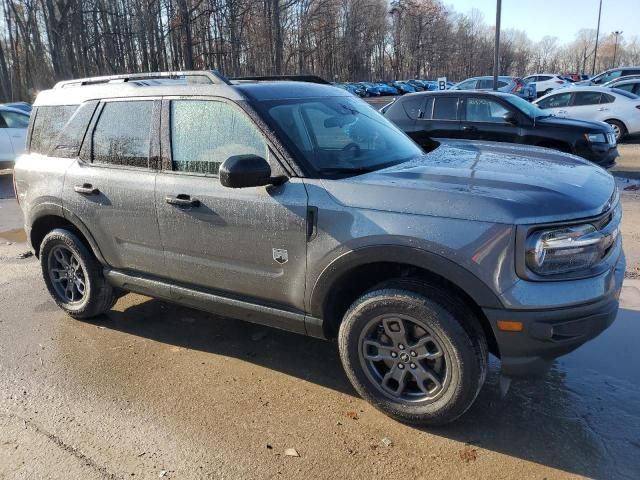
(74, 276)
(414, 352)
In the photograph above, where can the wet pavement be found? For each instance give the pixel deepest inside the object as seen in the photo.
(152, 387)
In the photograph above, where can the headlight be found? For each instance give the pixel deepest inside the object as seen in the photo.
(596, 137)
(564, 250)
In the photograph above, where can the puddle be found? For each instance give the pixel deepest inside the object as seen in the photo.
(18, 235)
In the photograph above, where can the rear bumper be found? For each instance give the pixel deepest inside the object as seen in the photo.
(551, 333)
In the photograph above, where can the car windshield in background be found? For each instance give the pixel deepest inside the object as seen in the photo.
(528, 108)
(624, 93)
(339, 136)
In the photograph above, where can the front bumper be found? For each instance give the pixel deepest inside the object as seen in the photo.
(603, 155)
(550, 333)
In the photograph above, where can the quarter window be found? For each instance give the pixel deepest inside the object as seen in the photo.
(205, 133)
(556, 101)
(586, 98)
(47, 125)
(413, 106)
(445, 108)
(121, 136)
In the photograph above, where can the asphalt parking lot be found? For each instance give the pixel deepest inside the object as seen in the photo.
(154, 390)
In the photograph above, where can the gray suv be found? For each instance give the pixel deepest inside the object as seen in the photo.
(298, 206)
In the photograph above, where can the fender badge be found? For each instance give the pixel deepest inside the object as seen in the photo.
(280, 255)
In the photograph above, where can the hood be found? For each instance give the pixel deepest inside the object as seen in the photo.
(484, 181)
(583, 125)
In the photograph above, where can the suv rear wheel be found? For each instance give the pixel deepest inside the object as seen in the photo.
(74, 276)
(414, 352)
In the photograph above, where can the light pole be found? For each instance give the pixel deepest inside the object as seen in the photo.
(615, 47)
(496, 53)
(595, 51)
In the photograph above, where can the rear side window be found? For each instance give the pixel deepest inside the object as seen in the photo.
(586, 98)
(14, 119)
(445, 108)
(204, 133)
(543, 78)
(121, 135)
(47, 125)
(413, 106)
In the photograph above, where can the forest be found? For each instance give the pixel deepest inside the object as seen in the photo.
(43, 41)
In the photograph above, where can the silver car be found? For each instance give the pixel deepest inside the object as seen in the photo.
(298, 206)
(516, 85)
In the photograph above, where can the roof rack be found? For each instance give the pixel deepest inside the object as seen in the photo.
(191, 76)
(295, 78)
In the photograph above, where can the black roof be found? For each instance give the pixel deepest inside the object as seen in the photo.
(280, 90)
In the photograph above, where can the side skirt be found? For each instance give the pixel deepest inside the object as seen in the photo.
(214, 303)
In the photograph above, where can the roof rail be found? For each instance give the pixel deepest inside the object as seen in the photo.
(192, 76)
(295, 78)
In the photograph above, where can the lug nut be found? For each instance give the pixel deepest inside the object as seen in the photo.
(400, 366)
(412, 365)
(394, 354)
(413, 354)
(401, 347)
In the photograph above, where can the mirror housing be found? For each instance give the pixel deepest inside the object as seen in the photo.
(242, 171)
(510, 118)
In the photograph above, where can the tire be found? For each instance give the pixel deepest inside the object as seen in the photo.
(619, 128)
(458, 347)
(61, 248)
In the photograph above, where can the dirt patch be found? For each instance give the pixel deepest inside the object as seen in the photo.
(15, 236)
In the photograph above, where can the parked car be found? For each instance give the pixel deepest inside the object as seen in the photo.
(327, 221)
(371, 89)
(609, 75)
(631, 86)
(499, 117)
(13, 131)
(403, 87)
(515, 85)
(386, 89)
(618, 108)
(545, 82)
(24, 106)
(612, 83)
(417, 84)
(352, 88)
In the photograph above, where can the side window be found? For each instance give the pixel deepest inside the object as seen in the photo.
(606, 98)
(586, 98)
(556, 101)
(121, 135)
(204, 133)
(628, 87)
(468, 85)
(47, 125)
(15, 120)
(484, 110)
(486, 83)
(445, 108)
(532, 78)
(68, 143)
(544, 78)
(413, 106)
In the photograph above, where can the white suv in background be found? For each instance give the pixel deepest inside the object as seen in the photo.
(13, 132)
(545, 82)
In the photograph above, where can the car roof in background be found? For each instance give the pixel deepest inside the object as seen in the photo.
(282, 90)
(458, 93)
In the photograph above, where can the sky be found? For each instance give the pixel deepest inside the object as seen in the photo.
(558, 18)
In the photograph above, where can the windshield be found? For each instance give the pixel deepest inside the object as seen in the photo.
(338, 135)
(533, 111)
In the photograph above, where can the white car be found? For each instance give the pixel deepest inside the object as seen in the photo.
(13, 133)
(546, 82)
(618, 108)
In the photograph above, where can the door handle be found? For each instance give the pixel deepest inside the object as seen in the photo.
(86, 189)
(562, 112)
(603, 109)
(469, 128)
(182, 200)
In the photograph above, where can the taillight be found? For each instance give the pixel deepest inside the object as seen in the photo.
(518, 86)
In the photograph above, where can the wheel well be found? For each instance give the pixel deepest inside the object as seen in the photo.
(355, 282)
(617, 121)
(43, 225)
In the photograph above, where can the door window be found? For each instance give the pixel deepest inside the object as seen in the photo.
(586, 98)
(606, 77)
(121, 136)
(205, 133)
(484, 110)
(413, 106)
(445, 108)
(556, 101)
(628, 87)
(14, 120)
(468, 85)
(543, 78)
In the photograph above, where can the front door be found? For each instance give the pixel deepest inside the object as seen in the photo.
(248, 242)
(483, 119)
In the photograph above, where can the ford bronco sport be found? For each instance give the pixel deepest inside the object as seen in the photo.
(296, 205)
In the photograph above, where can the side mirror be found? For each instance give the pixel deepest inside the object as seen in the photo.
(241, 171)
(511, 118)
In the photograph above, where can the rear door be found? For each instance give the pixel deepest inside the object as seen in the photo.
(483, 119)
(440, 118)
(111, 189)
(246, 242)
(586, 106)
(16, 128)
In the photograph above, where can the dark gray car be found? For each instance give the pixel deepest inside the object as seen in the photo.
(298, 206)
